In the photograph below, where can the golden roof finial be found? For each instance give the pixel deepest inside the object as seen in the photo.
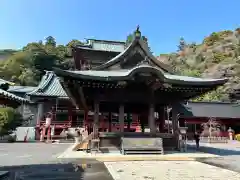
(137, 32)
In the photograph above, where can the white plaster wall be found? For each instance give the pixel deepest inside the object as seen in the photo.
(29, 110)
(21, 132)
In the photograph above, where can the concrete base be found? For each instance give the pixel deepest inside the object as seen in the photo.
(4, 175)
(105, 157)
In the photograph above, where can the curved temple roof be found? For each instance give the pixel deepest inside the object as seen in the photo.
(140, 43)
(137, 59)
(14, 97)
(2, 81)
(49, 86)
(210, 109)
(9, 95)
(128, 75)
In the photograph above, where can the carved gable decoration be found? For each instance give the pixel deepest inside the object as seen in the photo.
(135, 58)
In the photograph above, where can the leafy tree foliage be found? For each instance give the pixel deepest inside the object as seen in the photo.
(26, 67)
(217, 57)
(182, 44)
(10, 119)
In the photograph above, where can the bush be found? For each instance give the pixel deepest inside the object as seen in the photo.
(219, 56)
(11, 138)
(237, 137)
(210, 40)
(10, 119)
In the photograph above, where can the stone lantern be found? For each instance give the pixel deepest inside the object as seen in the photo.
(183, 139)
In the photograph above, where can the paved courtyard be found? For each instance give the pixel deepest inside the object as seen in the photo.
(168, 170)
(39, 161)
(29, 153)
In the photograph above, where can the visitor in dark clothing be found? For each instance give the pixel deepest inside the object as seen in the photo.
(197, 139)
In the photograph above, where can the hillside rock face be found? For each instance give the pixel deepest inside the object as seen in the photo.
(218, 56)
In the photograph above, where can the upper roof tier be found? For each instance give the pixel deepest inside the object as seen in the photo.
(102, 45)
(137, 52)
(137, 59)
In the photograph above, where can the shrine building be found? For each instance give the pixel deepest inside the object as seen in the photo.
(130, 81)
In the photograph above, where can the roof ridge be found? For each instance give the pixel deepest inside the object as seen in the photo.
(45, 81)
(50, 77)
(137, 40)
(210, 102)
(107, 41)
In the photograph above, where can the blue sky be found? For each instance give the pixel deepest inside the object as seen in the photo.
(163, 22)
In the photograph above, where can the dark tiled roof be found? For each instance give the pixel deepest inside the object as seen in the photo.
(211, 109)
(49, 86)
(139, 43)
(2, 81)
(9, 95)
(126, 74)
(103, 45)
(21, 89)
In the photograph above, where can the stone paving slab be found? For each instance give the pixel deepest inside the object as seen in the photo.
(217, 149)
(59, 170)
(172, 156)
(168, 170)
(226, 162)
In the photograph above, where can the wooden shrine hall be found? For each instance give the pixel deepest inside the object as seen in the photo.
(133, 82)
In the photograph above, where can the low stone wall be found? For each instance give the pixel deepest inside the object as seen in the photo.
(113, 139)
(214, 139)
(21, 132)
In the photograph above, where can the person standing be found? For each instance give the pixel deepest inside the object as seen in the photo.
(197, 139)
(48, 122)
(41, 134)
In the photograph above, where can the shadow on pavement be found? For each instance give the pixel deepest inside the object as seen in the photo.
(221, 163)
(71, 170)
(216, 151)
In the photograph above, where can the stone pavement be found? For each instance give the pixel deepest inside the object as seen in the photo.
(221, 149)
(117, 156)
(168, 170)
(59, 170)
(39, 161)
(29, 153)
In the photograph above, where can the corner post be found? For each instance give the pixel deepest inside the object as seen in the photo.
(96, 119)
(161, 119)
(151, 119)
(121, 117)
(175, 123)
(40, 112)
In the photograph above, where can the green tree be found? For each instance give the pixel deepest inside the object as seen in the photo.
(129, 39)
(73, 43)
(182, 44)
(10, 119)
(50, 41)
